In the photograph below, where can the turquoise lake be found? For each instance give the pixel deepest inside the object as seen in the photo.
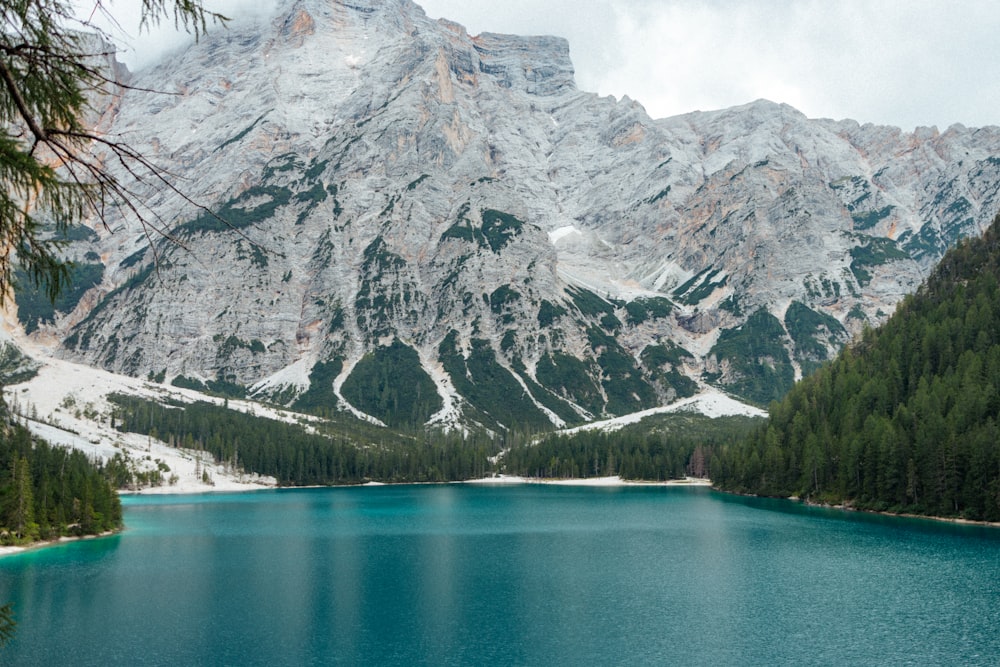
(518, 575)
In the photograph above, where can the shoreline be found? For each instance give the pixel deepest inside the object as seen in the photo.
(858, 510)
(42, 544)
(497, 480)
(612, 481)
(941, 519)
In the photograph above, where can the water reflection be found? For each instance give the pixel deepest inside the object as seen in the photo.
(525, 575)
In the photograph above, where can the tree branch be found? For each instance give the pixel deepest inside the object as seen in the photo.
(22, 106)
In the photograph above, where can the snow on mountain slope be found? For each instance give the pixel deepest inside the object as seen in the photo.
(415, 207)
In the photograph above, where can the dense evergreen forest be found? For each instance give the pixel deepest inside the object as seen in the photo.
(905, 420)
(659, 448)
(48, 492)
(328, 453)
(666, 447)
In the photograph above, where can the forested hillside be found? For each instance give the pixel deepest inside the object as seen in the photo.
(328, 453)
(658, 448)
(48, 492)
(906, 419)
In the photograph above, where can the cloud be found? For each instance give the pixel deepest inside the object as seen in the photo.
(897, 62)
(904, 63)
(138, 49)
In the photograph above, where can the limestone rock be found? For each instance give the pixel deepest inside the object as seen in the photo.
(550, 255)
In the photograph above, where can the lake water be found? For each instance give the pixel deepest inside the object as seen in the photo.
(523, 575)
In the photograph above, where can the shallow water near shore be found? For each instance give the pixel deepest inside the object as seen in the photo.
(526, 575)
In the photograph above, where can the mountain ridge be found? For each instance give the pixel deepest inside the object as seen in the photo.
(392, 179)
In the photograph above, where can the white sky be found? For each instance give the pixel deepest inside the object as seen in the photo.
(897, 62)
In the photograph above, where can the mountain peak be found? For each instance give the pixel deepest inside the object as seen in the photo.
(414, 202)
(539, 65)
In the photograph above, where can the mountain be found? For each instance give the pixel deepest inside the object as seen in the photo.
(426, 227)
(906, 419)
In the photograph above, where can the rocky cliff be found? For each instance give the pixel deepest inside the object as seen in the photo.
(423, 226)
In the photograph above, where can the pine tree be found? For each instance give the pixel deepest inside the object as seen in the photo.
(53, 168)
(23, 516)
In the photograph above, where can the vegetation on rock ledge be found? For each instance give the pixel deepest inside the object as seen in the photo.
(907, 419)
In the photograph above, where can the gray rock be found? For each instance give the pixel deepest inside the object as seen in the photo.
(389, 177)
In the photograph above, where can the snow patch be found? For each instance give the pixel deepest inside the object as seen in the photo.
(295, 375)
(556, 235)
(450, 413)
(710, 403)
(339, 382)
(67, 405)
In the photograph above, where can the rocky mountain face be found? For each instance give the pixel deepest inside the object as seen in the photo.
(422, 226)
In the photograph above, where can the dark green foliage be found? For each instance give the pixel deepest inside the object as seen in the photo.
(489, 387)
(34, 305)
(500, 300)
(611, 323)
(732, 304)
(589, 303)
(218, 387)
(874, 252)
(463, 231)
(857, 313)
(559, 407)
(704, 290)
(869, 219)
(700, 286)
(347, 451)
(665, 353)
(658, 196)
(234, 214)
(231, 343)
(14, 366)
(319, 399)
(645, 308)
(622, 380)
(379, 258)
(414, 184)
(572, 379)
(50, 177)
(757, 357)
(807, 327)
(185, 382)
(390, 384)
(286, 162)
(389, 207)
(78, 233)
(239, 135)
(698, 277)
(80, 338)
(315, 170)
(663, 362)
(927, 241)
(47, 492)
(383, 291)
(657, 449)
(907, 419)
(499, 228)
(133, 259)
(508, 342)
(548, 313)
(316, 194)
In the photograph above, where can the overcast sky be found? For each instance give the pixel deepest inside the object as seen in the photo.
(896, 62)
